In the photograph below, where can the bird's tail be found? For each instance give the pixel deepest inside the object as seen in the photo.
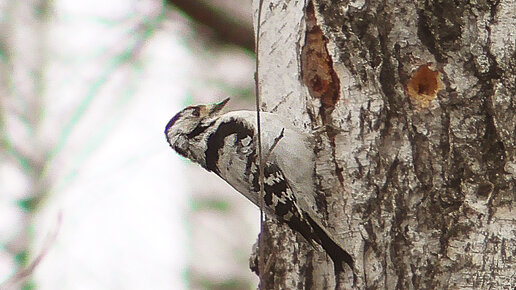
(338, 255)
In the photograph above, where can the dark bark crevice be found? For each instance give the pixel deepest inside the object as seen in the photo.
(320, 77)
(440, 25)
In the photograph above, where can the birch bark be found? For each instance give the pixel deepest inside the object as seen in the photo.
(413, 106)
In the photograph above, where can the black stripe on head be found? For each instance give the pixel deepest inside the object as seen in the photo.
(216, 141)
(195, 111)
(199, 130)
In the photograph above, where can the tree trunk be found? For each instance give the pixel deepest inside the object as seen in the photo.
(413, 107)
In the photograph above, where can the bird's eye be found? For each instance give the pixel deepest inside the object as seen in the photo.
(196, 112)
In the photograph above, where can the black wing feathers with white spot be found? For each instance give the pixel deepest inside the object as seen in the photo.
(279, 196)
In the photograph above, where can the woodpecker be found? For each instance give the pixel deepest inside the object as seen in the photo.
(226, 144)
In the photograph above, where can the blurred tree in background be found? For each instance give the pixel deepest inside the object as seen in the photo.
(85, 91)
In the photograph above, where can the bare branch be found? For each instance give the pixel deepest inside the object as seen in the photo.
(23, 274)
(226, 28)
(276, 141)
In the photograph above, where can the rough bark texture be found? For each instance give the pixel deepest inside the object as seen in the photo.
(412, 104)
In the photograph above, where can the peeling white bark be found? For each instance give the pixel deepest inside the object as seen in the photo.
(282, 31)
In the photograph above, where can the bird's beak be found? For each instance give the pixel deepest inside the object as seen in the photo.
(215, 108)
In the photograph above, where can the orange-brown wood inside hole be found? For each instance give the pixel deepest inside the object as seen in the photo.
(423, 86)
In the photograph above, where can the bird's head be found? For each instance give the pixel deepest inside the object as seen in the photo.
(189, 124)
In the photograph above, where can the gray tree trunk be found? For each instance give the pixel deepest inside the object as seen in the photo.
(413, 104)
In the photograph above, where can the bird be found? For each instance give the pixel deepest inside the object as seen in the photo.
(226, 144)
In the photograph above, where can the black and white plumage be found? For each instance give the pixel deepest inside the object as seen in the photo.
(226, 145)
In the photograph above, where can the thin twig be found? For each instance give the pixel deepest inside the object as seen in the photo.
(23, 274)
(276, 141)
(261, 182)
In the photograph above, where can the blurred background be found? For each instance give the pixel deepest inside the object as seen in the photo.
(88, 182)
